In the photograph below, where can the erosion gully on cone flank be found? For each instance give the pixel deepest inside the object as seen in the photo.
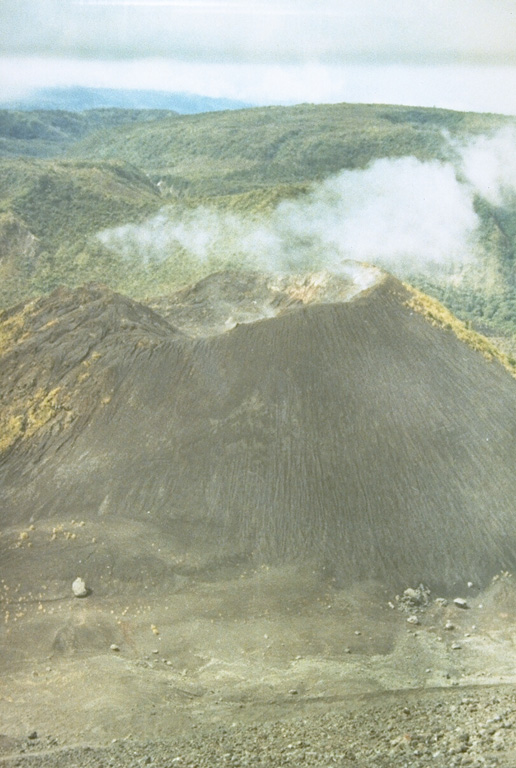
(267, 420)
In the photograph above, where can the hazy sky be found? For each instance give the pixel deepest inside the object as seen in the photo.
(453, 53)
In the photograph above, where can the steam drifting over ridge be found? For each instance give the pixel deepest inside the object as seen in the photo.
(403, 214)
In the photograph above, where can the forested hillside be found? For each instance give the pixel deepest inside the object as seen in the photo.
(47, 133)
(147, 201)
(49, 210)
(233, 152)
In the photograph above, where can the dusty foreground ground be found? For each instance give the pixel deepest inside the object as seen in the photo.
(271, 667)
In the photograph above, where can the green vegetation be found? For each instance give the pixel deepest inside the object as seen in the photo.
(255, 202)
(23, 418)
(227, 153)
(491, 313)
(59, 205)
(439, 316)
(61, 202)
(83, 173)
(48, 133)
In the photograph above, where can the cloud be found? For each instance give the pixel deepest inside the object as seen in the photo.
(489, 165)
(402, 214)
(458, 55)
(400, 210)
(331, 31)
(477, 89)
(396, 213)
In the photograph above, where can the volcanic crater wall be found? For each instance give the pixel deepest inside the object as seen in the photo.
(354, 436)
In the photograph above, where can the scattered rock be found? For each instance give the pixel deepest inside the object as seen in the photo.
(415, 598)
(456, 646)
(79, 588)
(443, 729)
(413, 620)
(449, 625)
(33, 735)
(114, 647)
(460, 602)
(412, 596)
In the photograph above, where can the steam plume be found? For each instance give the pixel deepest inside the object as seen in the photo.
(403, 214)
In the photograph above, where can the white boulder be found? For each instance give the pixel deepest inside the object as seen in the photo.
(79, 588)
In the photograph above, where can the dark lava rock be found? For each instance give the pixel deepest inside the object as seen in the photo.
(349, 434)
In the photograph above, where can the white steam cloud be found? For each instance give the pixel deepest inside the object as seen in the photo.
(395, 210)
(403, 214)
(489, 164)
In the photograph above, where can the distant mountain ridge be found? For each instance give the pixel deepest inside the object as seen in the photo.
(78, 99)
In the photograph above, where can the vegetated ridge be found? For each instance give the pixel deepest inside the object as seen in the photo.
(48, 132)
(244, 163)
(234, 152)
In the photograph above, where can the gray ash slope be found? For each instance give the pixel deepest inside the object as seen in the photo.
(351, 435)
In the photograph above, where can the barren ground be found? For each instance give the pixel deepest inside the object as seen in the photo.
(226, 499)
(274, 667)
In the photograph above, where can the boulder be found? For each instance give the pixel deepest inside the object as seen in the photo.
(79, 588)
